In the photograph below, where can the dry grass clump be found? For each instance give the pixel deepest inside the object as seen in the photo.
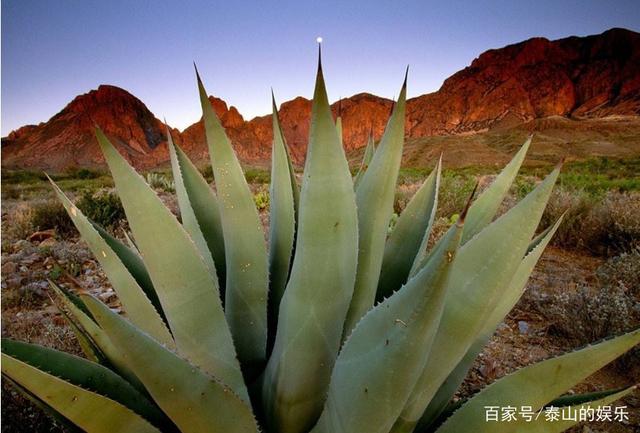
(20, 223)
(602, 225)
(102, 207)
(50, 214)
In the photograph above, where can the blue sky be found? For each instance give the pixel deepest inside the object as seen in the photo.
(56, 49)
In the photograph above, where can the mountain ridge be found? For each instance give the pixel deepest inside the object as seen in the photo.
(576, 77)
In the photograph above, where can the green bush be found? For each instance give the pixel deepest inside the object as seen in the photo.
(103, 208)
(51, 214)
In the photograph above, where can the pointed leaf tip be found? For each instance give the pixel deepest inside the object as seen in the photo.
(463, 215)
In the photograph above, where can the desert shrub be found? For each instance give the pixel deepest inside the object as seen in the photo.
(593, 313)
(160, 181)
(454, 194)
(601, 224)
(20, 223)
(257, 175)
(589, 314)
(103, 208)
(261, 198)
(622, 270)
(404, 193)
(50, 214)
(11, 191)
(81, 173)
(207, 173)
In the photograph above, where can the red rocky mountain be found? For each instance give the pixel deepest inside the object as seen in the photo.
(576, 77)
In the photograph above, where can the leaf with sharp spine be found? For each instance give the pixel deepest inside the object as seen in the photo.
(90, 350)
(110, 356)
(486, 205)
(188, 294)
(386, 353)
(131, 258)
(543, 381)
(366, 160)
(246, 254)
(199, 210)
(505, 304)
(374, 200)
(194, 401)
(134, 300)
(484, 266)
(56, 377)
(320, 286)
(409, 236)
(51, 412)
(281, 221)
(339, 128)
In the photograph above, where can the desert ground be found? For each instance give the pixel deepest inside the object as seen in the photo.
(585, 288)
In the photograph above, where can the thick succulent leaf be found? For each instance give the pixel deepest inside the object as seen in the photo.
(246, 252)
(578, 399)
(69, 427)
(339, 128)
(505, 304)
(90, 350)
(409, 236)
(188, 294)
(541, 425)
(317, 296)
(542, 382)
(484, 267)
(130, 257)
(134, 300)
(374, 199)
(195, 401)
(103, 348)
(386, 353)
(598, 398)
(486, 205)
(199, 210)
(132, 245)
(77, 372)
(281, 221)
(366, 160)
(90, 411)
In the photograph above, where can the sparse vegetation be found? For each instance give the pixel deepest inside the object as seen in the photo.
(261, 199)
(50, 214)
(102, 207)
(160, 181)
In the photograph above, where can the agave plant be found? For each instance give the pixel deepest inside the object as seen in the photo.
(336, 327)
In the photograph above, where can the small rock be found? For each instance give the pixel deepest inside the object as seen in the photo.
(34, 289)
(20, 245)
(49, 242)
(9, 268)
(523, 327)
(31, 259)
(42, 235)
(13, 281)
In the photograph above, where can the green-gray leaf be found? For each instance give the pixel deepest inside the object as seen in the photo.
(247, 284)
(317, 296)
(374, 200)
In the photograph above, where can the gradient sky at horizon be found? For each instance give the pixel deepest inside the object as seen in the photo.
(55, 50)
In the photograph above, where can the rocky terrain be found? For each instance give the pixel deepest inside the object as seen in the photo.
(519, 86)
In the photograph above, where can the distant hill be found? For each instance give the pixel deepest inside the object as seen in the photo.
(515, 88)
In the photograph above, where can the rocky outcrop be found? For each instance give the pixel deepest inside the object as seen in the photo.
(576, 77)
